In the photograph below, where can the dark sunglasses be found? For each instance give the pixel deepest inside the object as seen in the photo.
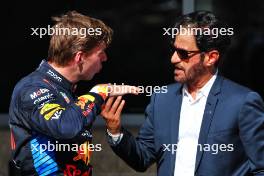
(184, 54)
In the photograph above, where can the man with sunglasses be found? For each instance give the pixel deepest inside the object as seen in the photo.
(205, 124)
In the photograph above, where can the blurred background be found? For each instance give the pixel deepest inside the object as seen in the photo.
(139, 54)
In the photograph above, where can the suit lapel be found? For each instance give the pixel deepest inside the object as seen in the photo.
(175, 123)
(207, 117)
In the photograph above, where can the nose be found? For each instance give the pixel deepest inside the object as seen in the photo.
(175, 58)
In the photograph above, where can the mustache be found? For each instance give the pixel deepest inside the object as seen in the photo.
(179, 67)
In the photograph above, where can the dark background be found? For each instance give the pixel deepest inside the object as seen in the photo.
(139, 53)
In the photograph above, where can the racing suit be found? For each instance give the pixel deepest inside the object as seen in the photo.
(50, 126)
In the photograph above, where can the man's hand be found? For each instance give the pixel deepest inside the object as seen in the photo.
(111, 113)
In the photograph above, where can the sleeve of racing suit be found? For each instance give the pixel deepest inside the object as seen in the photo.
(45, 112)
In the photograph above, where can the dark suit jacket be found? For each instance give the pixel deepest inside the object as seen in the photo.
(234, 116)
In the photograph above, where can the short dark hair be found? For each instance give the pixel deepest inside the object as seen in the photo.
(205, 19)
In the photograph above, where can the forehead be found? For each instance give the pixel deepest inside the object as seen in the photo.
(185, 41)
(98, 48)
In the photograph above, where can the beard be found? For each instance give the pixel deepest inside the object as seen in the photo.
(194, 74)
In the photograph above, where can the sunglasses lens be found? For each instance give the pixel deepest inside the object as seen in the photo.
(182, 54)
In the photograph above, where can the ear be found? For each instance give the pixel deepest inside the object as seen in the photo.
(213, 57)
(78, 57)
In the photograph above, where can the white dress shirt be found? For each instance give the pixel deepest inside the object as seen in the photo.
(191, 117)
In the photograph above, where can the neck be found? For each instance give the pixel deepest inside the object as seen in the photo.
(66, 72)
(196, 85)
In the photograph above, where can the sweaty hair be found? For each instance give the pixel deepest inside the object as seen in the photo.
(75, 32)
(205, 20)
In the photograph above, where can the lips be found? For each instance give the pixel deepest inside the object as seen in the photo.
(179, 68)
(177, 71)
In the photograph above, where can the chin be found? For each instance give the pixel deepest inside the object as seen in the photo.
(87, 78)
(179, 79)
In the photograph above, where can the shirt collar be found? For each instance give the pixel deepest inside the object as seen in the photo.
(205, 90)
(53, 75)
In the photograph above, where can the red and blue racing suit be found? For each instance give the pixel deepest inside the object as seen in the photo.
(50, 125)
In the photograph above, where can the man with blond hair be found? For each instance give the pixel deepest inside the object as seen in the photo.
(50, 125)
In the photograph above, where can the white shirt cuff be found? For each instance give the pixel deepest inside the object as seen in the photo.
(114, 138)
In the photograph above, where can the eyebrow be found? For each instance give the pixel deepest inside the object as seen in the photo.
(172, 45)
(179, 48)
